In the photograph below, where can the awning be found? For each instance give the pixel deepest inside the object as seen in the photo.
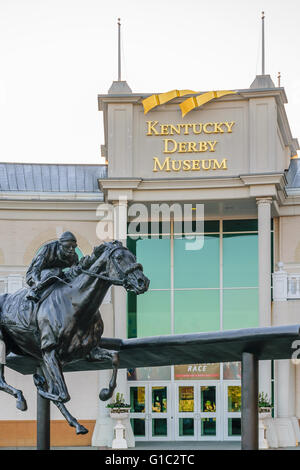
(276, 342)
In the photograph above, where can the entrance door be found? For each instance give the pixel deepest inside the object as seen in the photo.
(232, 410)
(197, 411)
(150, 412)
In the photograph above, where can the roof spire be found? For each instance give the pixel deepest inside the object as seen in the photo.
(119, 49)
(262, 42)
(263, 80)
(120, 86)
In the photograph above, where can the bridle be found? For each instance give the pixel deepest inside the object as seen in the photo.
(123, 274)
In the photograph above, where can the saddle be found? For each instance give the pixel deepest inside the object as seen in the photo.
(20, 312)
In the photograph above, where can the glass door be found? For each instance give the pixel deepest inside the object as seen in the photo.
(185, 418)
(150, 412)
(232, 407)
(210, 412)
(139, 405)
(198, 411)
(160, 412)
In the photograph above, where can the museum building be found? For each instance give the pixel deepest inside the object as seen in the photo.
(173, 160)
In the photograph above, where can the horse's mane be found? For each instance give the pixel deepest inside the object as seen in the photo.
(87, 261)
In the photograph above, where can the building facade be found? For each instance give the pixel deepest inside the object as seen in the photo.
(209, 201)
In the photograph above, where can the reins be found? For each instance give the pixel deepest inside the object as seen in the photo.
(123, 274)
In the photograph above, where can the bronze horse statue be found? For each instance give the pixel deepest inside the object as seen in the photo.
(66, 325)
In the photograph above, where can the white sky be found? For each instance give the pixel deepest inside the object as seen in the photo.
(56, 56)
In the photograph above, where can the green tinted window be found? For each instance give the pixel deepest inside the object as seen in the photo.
(196, 310)
(240, 225)
(196, 262)
(131, 315)
(240, 308)
(154, 255)
(154, 313)
(240, 260)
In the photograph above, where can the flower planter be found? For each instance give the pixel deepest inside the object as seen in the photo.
(263, 412)
(119, 440)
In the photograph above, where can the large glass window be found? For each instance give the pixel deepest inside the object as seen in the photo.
(196, 262)
(205, 283)
(154, 313)
(240, 260)
(196, 310)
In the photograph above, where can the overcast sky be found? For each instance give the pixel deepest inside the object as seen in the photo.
(56, 56)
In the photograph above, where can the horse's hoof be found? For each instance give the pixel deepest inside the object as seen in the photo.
(81, 429)
(105, 394)
(22, 405)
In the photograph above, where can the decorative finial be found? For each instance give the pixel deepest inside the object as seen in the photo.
(279, 77)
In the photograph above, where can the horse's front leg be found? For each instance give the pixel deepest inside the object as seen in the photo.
(57, 389)
(42, 383)
(100, 354)
(21, 402)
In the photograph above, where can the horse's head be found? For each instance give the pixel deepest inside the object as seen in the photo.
(121, 265)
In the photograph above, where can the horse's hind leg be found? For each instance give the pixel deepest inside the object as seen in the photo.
(71, 420)
(41, 382)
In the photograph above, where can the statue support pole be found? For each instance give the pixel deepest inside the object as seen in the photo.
(43, 422)
(249, 402)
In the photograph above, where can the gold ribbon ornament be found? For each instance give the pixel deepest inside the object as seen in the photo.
(187, 105)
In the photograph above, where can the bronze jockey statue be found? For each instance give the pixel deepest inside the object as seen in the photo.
(49, 262)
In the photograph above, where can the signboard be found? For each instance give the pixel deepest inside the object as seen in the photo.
(197, 372)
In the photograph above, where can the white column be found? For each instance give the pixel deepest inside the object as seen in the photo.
(264, 282)
(119, 293)
(285, 397)
(103, 431)
(120, 307)
(297, 388)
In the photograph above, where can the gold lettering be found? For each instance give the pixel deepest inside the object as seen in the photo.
(182, 147)
(212, 145)
(229, 126)
(210, 124)
(218, 128)
(151, 127)
(203, 147)
(192, 146)
(164, 129)
(219, 166)
(179, 162)
(186, 127)
(205, 167)
(195, 128)
(186, 165)
(166, 147)
(195, 165)
(161, 167)
(175, 129)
